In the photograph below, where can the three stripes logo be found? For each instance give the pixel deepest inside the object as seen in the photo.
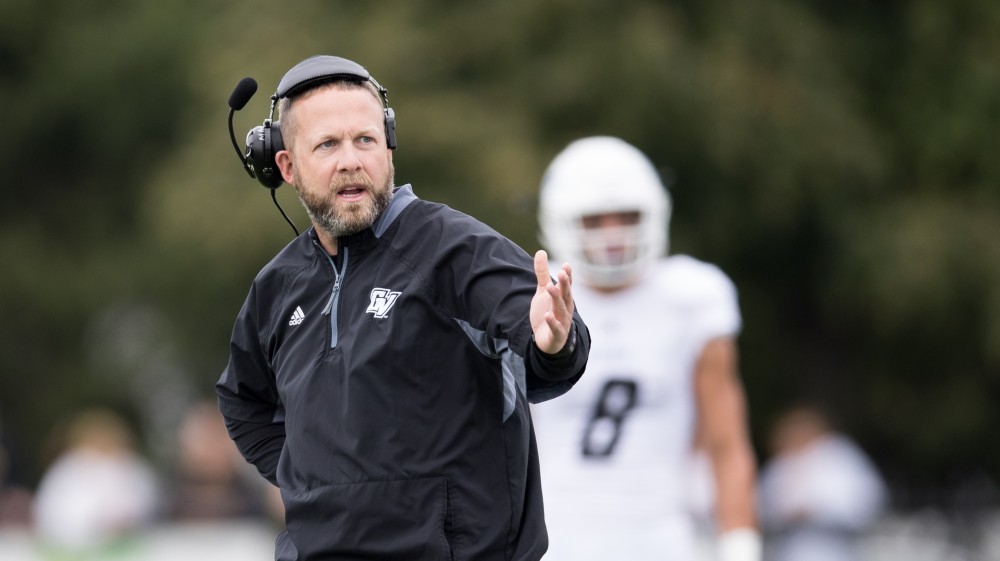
(297, 316)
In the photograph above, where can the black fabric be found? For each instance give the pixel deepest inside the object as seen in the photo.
(260, 444)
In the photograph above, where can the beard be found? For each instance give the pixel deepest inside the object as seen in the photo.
(342, 219)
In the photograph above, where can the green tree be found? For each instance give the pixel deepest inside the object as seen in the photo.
(835, 158)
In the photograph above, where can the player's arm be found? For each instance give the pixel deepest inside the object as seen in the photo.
(722, 421)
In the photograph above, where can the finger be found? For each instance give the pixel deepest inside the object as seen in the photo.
(542, 268)
(565, 284)
(560, 306)
(560, 332)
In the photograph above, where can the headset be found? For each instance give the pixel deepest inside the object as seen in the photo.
(264, 141)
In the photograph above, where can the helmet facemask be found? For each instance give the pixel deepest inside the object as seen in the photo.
(611, 247)
(604, 210)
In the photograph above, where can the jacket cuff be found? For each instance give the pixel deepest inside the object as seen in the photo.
(567, 349)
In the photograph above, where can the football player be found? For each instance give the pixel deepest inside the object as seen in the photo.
(662, 373)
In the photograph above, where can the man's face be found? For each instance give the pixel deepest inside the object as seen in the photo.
(611, 239)
(337, 159)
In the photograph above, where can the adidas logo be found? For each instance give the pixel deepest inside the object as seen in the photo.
(297, 316)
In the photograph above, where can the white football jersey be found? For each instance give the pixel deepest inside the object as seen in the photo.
(615, 449)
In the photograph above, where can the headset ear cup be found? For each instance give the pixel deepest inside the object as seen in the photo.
(390, 128)
(255, 150)
(261, 142)
(271, 175)
(268, 173)
(277, 141)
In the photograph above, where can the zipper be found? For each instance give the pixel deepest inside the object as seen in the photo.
(331, 305)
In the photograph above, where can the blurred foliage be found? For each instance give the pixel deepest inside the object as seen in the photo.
(836, 158)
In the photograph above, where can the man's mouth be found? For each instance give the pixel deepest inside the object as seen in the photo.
(351, 193)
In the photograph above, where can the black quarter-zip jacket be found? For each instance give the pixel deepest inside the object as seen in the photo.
(386, 392)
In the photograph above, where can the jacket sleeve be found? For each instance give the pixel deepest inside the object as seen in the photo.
(248, 398)
(494, 283)
(550, 376)
(260, 443)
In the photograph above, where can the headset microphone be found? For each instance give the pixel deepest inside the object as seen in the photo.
(238, 100)
(242, 93)
(263, 141)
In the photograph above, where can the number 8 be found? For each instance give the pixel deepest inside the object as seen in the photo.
(604, 427)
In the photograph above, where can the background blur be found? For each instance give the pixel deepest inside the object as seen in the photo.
(837, 159)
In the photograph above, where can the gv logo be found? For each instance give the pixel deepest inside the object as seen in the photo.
(382, 300)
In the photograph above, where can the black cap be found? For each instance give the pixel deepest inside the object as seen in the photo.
(316, 69)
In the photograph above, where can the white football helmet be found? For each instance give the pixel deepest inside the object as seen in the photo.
(596, 176)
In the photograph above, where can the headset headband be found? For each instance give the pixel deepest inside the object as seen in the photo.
(320, 68)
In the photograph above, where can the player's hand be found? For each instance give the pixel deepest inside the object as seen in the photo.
(552, 306)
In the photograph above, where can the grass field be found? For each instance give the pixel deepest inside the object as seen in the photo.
(924, 536)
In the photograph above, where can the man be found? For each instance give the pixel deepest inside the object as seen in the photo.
(381, 366)
(820, 493)
(662, 371)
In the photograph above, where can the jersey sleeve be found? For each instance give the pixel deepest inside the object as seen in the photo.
(709, 296)
(720, 314)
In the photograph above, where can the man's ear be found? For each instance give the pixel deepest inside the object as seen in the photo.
(284, 161)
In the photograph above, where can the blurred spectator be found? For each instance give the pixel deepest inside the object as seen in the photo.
(819, 492)
(211, 480)
(98, 491)
(15, 498)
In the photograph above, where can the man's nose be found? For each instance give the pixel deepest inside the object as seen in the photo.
(350, 158)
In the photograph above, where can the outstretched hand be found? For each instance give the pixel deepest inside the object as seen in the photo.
(552, 306)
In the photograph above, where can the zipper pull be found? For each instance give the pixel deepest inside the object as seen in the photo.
(333, 297)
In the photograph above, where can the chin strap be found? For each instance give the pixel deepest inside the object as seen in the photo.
(740, 544)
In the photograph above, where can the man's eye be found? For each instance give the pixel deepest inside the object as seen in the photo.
(367, 139)
(327, 144)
